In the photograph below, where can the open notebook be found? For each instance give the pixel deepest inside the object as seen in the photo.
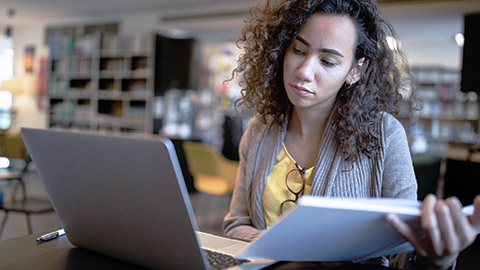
(333, 229)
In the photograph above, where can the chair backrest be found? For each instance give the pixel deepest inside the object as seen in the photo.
(204, 160)
(15, 148)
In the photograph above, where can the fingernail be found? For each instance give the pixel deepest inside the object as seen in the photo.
(455, 200)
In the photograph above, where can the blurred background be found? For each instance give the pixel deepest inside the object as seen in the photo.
(153, 66)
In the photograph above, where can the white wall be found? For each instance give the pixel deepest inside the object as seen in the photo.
(139, 24)
(430, 40)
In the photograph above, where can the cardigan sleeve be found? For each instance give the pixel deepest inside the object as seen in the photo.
(238, 222)
(399, 179)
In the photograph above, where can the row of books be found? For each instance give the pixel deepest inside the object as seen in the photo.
(92, 43)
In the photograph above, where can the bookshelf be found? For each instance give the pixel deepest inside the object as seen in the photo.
(448, 115)
(102, 82)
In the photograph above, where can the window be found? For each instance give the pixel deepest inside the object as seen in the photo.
(6, 58)
(6, 73)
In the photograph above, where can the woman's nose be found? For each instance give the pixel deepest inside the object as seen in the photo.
(306, 69)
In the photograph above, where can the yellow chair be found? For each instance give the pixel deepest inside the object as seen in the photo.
(212, 172)
(14, 148)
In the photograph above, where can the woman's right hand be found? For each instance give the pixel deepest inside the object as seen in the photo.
(446, 230)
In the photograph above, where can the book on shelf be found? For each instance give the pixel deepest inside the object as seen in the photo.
(336, 229)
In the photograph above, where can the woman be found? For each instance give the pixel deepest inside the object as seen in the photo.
(324, 84)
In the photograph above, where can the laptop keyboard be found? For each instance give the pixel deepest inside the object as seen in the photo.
(219, 260)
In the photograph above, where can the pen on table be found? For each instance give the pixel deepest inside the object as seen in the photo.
(50, 236)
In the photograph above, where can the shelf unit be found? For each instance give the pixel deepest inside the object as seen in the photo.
(448, 115)
(102, 82)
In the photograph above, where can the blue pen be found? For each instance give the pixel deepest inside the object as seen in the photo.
(50, 236)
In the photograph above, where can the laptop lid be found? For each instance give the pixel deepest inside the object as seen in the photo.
(120, 196)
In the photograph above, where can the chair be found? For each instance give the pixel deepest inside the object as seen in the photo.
(15, 149)
(427, 170)
(212, 172)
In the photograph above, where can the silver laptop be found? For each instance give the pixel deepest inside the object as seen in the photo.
(124, 197)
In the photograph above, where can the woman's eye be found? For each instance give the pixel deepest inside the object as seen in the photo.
(297, 50)
(328, 63)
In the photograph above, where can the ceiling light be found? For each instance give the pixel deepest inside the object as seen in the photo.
(459, 39)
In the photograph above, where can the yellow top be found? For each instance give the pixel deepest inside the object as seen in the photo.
(275, 191)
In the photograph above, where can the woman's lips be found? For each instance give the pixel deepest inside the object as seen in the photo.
(301, 90)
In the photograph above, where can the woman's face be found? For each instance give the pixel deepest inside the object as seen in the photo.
(319, 60)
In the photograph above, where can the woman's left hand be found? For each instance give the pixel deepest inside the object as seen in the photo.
(446, 230)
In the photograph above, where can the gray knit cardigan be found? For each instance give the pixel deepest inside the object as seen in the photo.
(389, 175)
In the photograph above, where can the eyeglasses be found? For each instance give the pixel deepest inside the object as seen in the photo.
(297, 193)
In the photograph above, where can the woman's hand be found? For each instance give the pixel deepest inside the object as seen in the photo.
(446, 230)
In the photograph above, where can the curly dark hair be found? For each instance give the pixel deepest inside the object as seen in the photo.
(357, 112)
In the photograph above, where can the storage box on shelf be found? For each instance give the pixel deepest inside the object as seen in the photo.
(102, 82)
(448, 115)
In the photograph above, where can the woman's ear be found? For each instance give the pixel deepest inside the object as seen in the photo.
(356, 72)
